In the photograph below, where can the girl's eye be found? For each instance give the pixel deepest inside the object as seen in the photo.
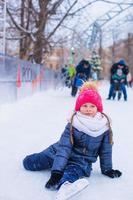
(85, 106)
(89, 106)
(92, 106)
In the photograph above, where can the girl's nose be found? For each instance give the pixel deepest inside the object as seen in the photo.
(88, 109)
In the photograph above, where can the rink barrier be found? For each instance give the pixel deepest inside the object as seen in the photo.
(19, 78)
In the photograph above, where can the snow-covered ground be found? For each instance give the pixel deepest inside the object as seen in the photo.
(33, 123)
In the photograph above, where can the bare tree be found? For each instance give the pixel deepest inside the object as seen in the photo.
(32, 24)
(38, 21)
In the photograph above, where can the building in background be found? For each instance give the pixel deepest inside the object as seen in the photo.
(65, 56)
(121, 50)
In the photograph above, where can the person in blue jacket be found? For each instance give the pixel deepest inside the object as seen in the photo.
(118, 80)
(83, 70)
(86, 137)
(121, 65)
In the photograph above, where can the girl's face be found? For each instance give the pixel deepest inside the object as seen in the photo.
(88, 109)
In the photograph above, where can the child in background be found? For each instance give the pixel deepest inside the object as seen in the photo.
(86, 137)
(84, 69)
(119, 79)
(119, 66)
(70, 75)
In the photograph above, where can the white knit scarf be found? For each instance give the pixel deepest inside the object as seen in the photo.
(93, 126)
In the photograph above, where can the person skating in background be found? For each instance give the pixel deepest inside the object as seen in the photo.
(118, 80)
(71, 72)
(121, 65)
(86, 137)
(129, 80)
(83, 70)
(64, 74)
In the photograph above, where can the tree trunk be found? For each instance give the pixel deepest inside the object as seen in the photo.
(25, 40)
(38, 49)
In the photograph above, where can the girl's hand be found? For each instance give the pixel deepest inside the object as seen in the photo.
(112, 173)
(54, 180)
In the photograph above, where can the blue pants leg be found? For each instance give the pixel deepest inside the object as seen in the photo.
(71, 174)
(74, 88)
(123, 89)
(37, 162)
(111, 90)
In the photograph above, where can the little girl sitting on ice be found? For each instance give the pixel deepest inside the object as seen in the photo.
(86, 136)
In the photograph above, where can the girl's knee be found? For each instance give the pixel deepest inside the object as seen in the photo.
(36, 162)
(32, 163)
(28, 163)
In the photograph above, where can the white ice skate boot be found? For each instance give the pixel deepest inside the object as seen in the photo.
(68, 190)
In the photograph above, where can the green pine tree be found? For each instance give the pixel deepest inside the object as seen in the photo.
(96, 64)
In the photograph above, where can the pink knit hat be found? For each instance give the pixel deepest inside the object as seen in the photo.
(89, 96)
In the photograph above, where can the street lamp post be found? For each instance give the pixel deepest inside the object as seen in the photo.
(72, 53)
(4, 28)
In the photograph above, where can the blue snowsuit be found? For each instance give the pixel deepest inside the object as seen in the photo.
(74, 160)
